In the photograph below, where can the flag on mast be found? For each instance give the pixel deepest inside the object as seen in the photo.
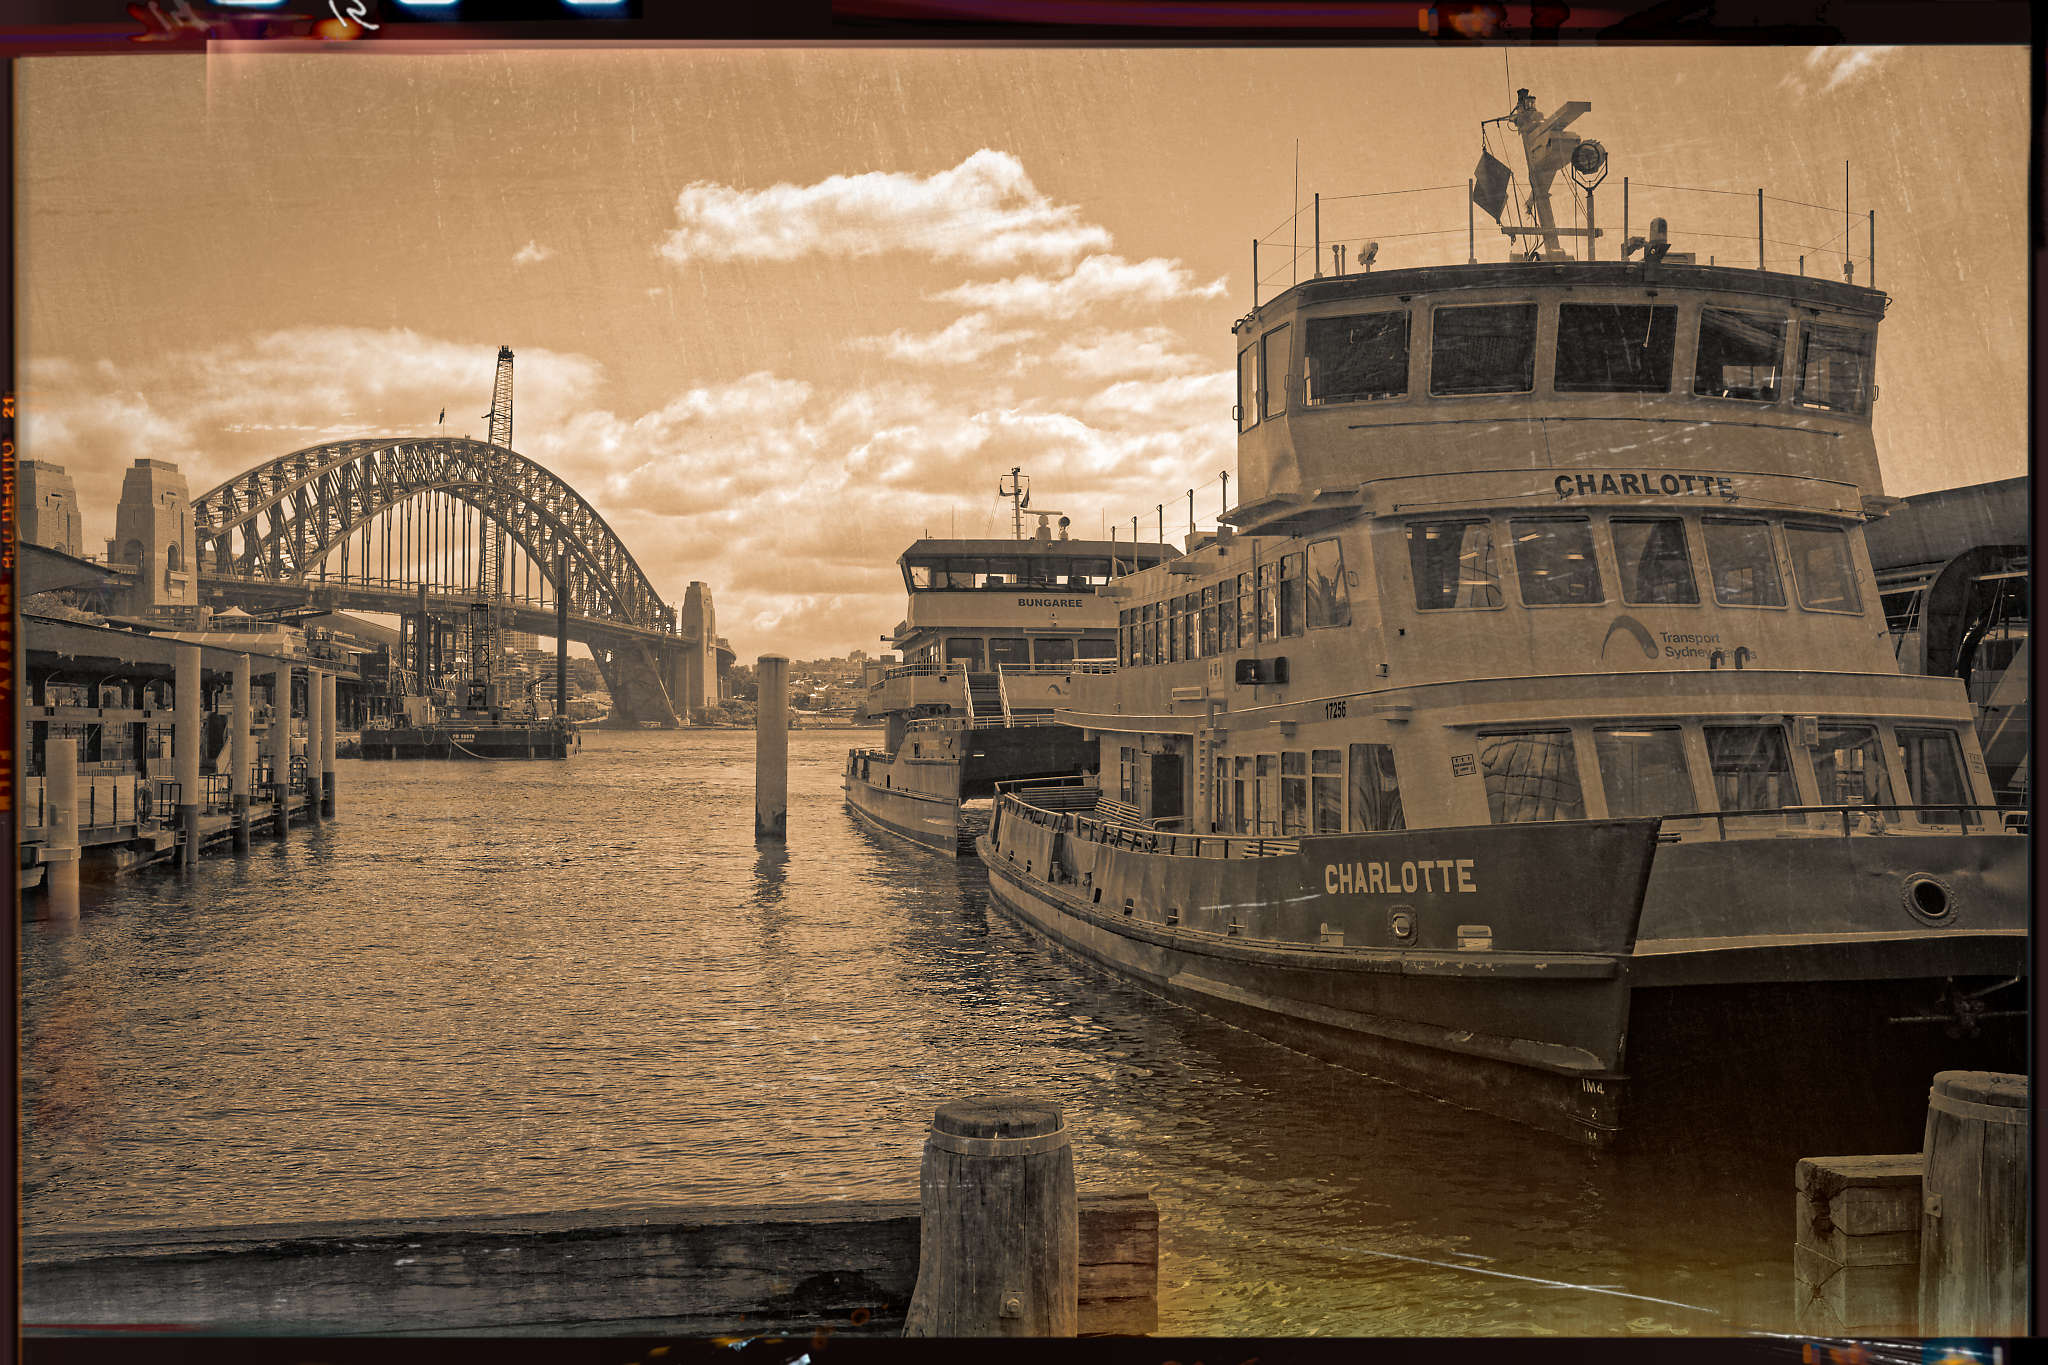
(1490, 185)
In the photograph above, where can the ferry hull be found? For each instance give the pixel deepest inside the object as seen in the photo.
(929, 820)
(916, 794)
(1531, 1028)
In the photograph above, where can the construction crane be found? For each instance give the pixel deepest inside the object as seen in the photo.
(490, 557)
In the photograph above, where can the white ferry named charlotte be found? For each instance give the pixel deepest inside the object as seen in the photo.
(1491, 765)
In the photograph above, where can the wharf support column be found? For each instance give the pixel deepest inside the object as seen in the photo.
(277, 743)
(315, 694)
(327, 705)
(60, 838)
(771, 748)
(185, 748)
(240, 756)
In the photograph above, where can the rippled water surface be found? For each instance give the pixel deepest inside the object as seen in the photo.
(509, 987)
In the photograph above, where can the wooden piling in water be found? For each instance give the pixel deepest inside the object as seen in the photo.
(277, 742)
(187, 706)
(1856, 1245)
(240, 757)
(314, 690)
(999, 1238)
(1973, 1227)
(328, 698)
(771, 747)
(60, 851)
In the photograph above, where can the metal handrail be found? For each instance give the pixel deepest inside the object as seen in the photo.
(1794, 817)
(1142, 839)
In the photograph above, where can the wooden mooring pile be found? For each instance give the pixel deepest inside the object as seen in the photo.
(1000, 1244)
(1922, 1244)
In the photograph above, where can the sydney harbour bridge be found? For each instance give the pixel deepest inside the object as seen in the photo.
(427, 527)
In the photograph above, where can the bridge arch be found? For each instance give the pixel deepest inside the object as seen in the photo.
(280, 520)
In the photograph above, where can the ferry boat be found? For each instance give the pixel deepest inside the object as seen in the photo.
(1530, 735)
(995, 634)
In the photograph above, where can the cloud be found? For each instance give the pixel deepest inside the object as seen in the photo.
(531, 253)
(1191, 398)
(1097, 281)
(219, 411)
(1833, 67)
(1152, 351)
(966, 340)
(984, 211)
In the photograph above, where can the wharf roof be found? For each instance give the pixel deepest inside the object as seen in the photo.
(1932, 528)
(129, 653)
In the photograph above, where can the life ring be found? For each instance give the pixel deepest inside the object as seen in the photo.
(144, 801)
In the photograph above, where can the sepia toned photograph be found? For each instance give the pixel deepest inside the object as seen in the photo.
(801, 691)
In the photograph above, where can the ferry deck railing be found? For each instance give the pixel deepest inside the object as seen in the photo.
(1420, 226)
(1845, 821)
(1144, 839)
(1840, 821)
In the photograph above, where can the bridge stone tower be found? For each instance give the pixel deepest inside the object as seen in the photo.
(699, 683)
(48, 504)
(153, 532)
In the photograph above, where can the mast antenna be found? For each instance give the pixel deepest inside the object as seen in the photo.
(1016, 486)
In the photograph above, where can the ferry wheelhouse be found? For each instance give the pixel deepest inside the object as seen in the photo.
(996, 633)
(1532, 557)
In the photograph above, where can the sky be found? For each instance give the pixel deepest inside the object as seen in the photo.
(779, 311)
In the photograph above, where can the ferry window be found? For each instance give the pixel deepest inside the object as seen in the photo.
(1375, 789)
(1244, 796)
(1097, 648)
(1009, 650)
(1934, 774)
(1849, 762)
(1123, 637)
(1752, 770)
(1652, 561)
(1247, 388)
(1219, 795)
(1269, 602)
(1739, 557)
(1226, 614)
(1294, 792)
(1821, 568)
(1247, 610)
(960, 574)
(1642, 769)
(1127, 776)
(1614, 347)
(1740, 355)
(1293, 594)
(1834, 367)
(1329, 599)
(1268, 799)
(1191, 627)
(920, 577)
(1364, 355)
(1453, 564)
(1148, 650)
(1531, 775)
(1554, 561)
(1056, 649)
(1273, 371)
(1173, 622)
(1487, 348)
(1209, 621)
(967, 652)
(1326, 779)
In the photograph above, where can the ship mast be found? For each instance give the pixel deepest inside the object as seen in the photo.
(1548, 149)
(1018, 492)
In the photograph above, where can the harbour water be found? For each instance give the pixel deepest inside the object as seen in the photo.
(509, 987)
